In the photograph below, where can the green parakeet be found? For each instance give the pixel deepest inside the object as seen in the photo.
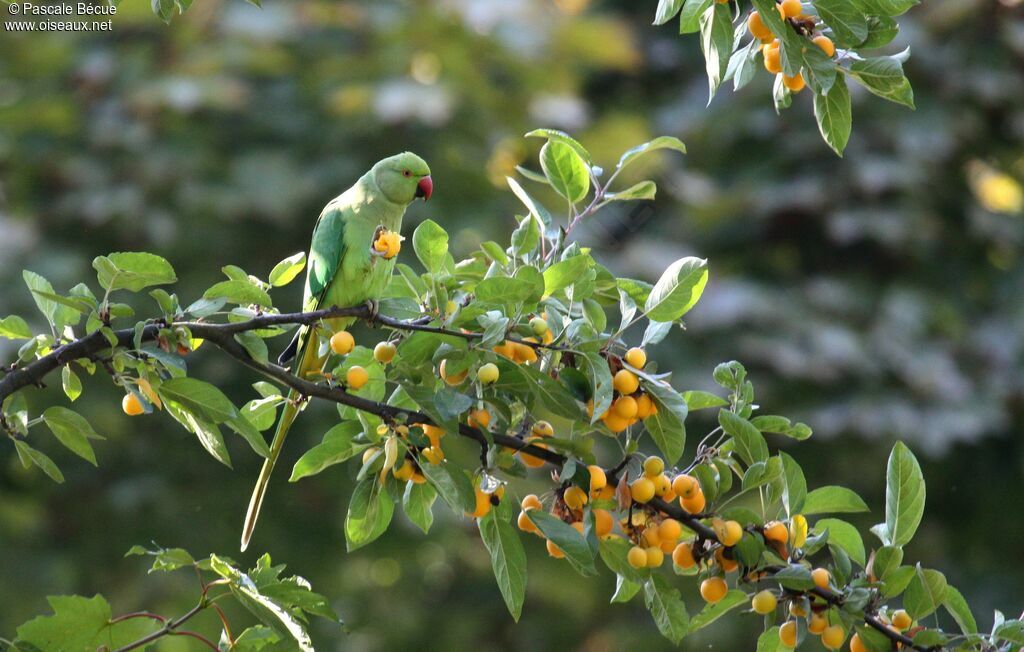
(343, 270)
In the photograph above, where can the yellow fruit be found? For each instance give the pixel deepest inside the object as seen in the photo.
(150, 394)
(603, 522)
(342, 343)
(757, 27)
(772, 57)
(797, 610)
(451, 379)
(434, 454)
(530, 460)
(653, 466)
(525, 524)
(821, 577)
(662, 485)
(727, 564)
(625, 382)
(506, 349)
(798, 531)
(825, 43)
(857, 645)
(817, 624)
(833, 637)
(384, 352)
(615, 423)
(538, 326)
(764, 602)
(682, 556)
(695, 504)
(645, 406)
(487, 374)
(531, 501)
(713, 589)
(554, 550)
(642, 490)
(901, 620)
(598, 479)
(685, 486)
(356, 377)
(575, 498)
(417, 477)
(543, 429)
(404, 472)
(652, 537)
(655, 557)
(483, 503)
(636, 357)
(637, 557)
(625, 407)
(787, 633)
(790, 8)
(526, 353)
(578, 526)
(729, 533)
(131, 405)
(795, 83)
(776, 531)
(388, 244)
(479, 419)
(670, 530)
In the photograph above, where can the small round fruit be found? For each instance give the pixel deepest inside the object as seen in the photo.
(682, 556)
(554, 550)
(525, 524)
(603, 522)
(404, 472)
(625, 381)
(694, 504)
(727, 564)
(131, 405)
(645, 406)
(356, 377)
(790, 8)
(795, 84)
(757, 27)
(652, 537)
(901, 620)
(662, 485)
(825, 43)
(451, 379)
(388, 244)
(342, 343)
(525, 353)
(670, 530)
(637, 557)
(821, 577)
(655, 557)
(772, 57)
(653, 466)
(538, 326)
(479, 419)
(531, 501)
(384, 352)
(614, 422)
(729, 533)
(776, 531)
(487, 374)
(642, 489)
(833, 637)
(797, 610)
(530, 460)
(625, 407)
(543, 429)
(636, 357)
(817, 624)
(787, 633)
(713, 589)
(685, 486)
(857, 645)
(598, 479)
(764, 602)
(575, 498)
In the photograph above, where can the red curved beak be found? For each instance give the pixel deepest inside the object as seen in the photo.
(425, 188)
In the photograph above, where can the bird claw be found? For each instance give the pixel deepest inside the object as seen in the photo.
(374, 309)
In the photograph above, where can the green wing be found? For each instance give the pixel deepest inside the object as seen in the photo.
(325, 254)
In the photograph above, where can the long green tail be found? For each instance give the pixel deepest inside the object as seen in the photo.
(306, 360)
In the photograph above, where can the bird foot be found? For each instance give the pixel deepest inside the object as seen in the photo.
(374, 307)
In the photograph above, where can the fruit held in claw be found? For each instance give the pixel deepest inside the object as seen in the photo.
(388, 244)
(636, 357)
(356, 377)
(384, 352)
(131, 405)
(713, 589)
(342, 343)
(625, 381)
(487, 374)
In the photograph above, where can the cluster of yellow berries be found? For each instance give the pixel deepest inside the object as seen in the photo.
(388, 244)
(654, 539)
(654, 482)
(630, 405)
(573, 500)
(342, 343)
(771, 48)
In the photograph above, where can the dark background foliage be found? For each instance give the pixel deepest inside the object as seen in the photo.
(874, 297)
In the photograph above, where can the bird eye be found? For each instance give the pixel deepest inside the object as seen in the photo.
(407, 173)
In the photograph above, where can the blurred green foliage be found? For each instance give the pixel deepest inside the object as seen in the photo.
(872, 297)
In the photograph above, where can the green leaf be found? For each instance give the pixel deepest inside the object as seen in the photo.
(844, 535)
(563, 138)
(793, 485)
(678, 289)
(769, 641)
(834, 115)
(666, 607)
(667, 10)
(847, 20)
(164, 559)
(262, 412)
(452, 484)
(689, 17)
(80, 623)
(430, 242)
(712, 612)
(207, 432)
(661, 142)
(957, 607)
(887, 559)
(565, 272)
(716, 41)
(418, 502)
(904, 495)
(253, 345)
(667, 425)
(699, 400)
(884, 77)
(881, 31)
(1011, 631)
(781, 426)
(536, 209)
(30, 456)
(242, 292)
(14, 328)
(70, 382)
(614, 555)
(55, 313)
(925, 593)
(337, 446)
(504, 290)
(565, 169)
(642, 190)
(132, 271)
(577, 552)
(888, 7)
(833, 500)
(72, 430)
(200, 397)
(508, 559)
(601, 383)
(750, 444)
(795, 577)
(369, 513)
(285, 271)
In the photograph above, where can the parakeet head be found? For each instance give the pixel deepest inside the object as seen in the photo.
(403, 177)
